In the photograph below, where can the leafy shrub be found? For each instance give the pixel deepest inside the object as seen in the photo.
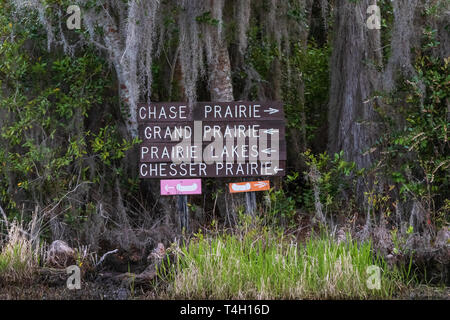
(280, 206)
(416, 154)
(333, 179)
(57, 134)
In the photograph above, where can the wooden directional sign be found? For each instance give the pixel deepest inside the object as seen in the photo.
(238, 111)
(176, 131)
(203, 170)
(210, 111)
(233, 150)
(211, 139)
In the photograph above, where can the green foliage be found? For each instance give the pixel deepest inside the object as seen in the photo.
(207, 18)
(107, 145)
(48, 102)
(262, 52)
(334, 179)
(435, 8)
(417, 153)
(312, 64)
(280, 208)
(387, 21)
(297, 12)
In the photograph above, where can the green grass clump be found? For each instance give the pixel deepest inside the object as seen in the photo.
(18, 260)
(261, 265)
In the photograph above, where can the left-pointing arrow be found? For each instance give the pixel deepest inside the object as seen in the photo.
(276, 169)
(271, 131)
(268, 151)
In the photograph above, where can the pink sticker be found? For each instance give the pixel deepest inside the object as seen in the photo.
(186, 186)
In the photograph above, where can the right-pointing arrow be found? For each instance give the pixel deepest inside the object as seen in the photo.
(271, 110)
(260, 184)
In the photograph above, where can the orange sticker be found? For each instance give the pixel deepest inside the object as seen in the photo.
(249, 186)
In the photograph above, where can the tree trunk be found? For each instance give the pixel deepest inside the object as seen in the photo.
(220, 75)
(116, 48)
(357, 74)
(221, 90)
(354, 79)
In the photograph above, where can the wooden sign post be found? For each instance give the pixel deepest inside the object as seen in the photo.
(211, 139)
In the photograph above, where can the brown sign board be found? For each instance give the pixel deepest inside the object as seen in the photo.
(212, 152)
(175, 131)
(211, 139)
(202, 170)
(210, 111)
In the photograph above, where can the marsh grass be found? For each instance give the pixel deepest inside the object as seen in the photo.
(263, 265)
(18, 258)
